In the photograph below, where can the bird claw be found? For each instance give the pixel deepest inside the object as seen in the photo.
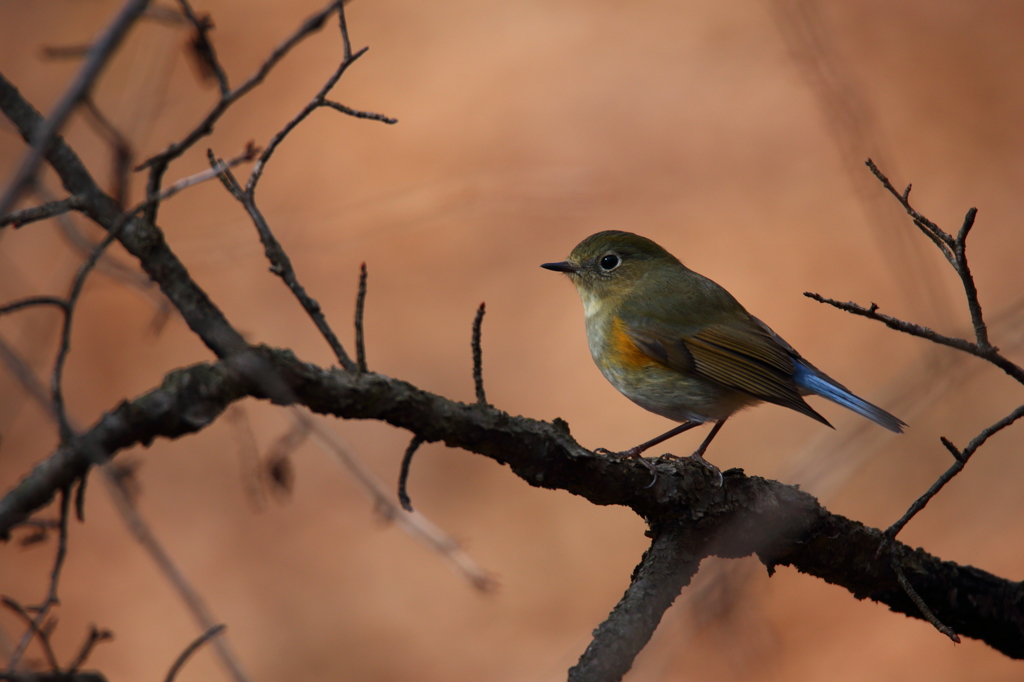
(632, 453)
(698, 457)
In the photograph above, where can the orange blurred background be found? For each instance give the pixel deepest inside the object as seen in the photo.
(733, 134)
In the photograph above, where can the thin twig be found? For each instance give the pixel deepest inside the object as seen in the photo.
(34, 629)
(205, 127)
(94, 638)
(248, 154)
(33, 301)
(946, 241)
(43, 609)
(990, 353)
(170, 571)
(919, 603)
(248, 456)
(960, 461)
(403, 476)
(478, 372)
(158, 164)
(121, 166)
(281, 265)
(99, 52)
(183, 657)
(415, 524)
(56, 389)
(970, 289)
(47, 210)
(317, 101)
(359, 114)
(203, 48)
(360, 306)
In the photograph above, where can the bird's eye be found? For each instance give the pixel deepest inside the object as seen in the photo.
(610, 262)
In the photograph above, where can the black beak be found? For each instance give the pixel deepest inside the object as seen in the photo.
(564, 266)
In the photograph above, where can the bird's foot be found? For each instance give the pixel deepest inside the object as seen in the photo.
(632, 453)
(698, 456)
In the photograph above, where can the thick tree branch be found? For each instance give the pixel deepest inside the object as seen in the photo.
(747, 514)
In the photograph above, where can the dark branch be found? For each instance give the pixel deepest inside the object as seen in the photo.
(310, 25)
(358, 114)
(191, 649)
(403, 476)
(989, 353)
(663, 571)
(961, 457)
(780, 523)
(95, 637)
(478, 371)
(47, 210)
(281, 264)
(360, 307)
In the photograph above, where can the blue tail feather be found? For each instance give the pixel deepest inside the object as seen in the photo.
(815, 381)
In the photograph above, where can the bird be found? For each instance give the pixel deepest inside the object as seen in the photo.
(679, 345)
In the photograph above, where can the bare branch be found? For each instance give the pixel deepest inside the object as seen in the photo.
(960, 462)
(943, 240)
(191, 649)
(34, 629)
(310, 25)
(43, 609)
(360, 306)
(202, 46)
(403, 476)
(99, 52)
(669, 564)
(970, 289)
(257, 171)
(358, 114)
(990, 353)
(919, 603)
(478, 372)
(281, 265)
(94, 638)
(47, 210)
(34, 301)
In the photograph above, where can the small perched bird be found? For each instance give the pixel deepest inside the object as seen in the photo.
(681, 346)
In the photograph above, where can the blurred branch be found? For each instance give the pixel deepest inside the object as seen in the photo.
(191, 649)
(44, 135)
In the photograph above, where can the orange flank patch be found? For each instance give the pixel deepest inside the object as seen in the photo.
(623, 352)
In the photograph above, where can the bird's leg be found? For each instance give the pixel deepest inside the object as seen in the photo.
(635, 452)
(698, 454)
